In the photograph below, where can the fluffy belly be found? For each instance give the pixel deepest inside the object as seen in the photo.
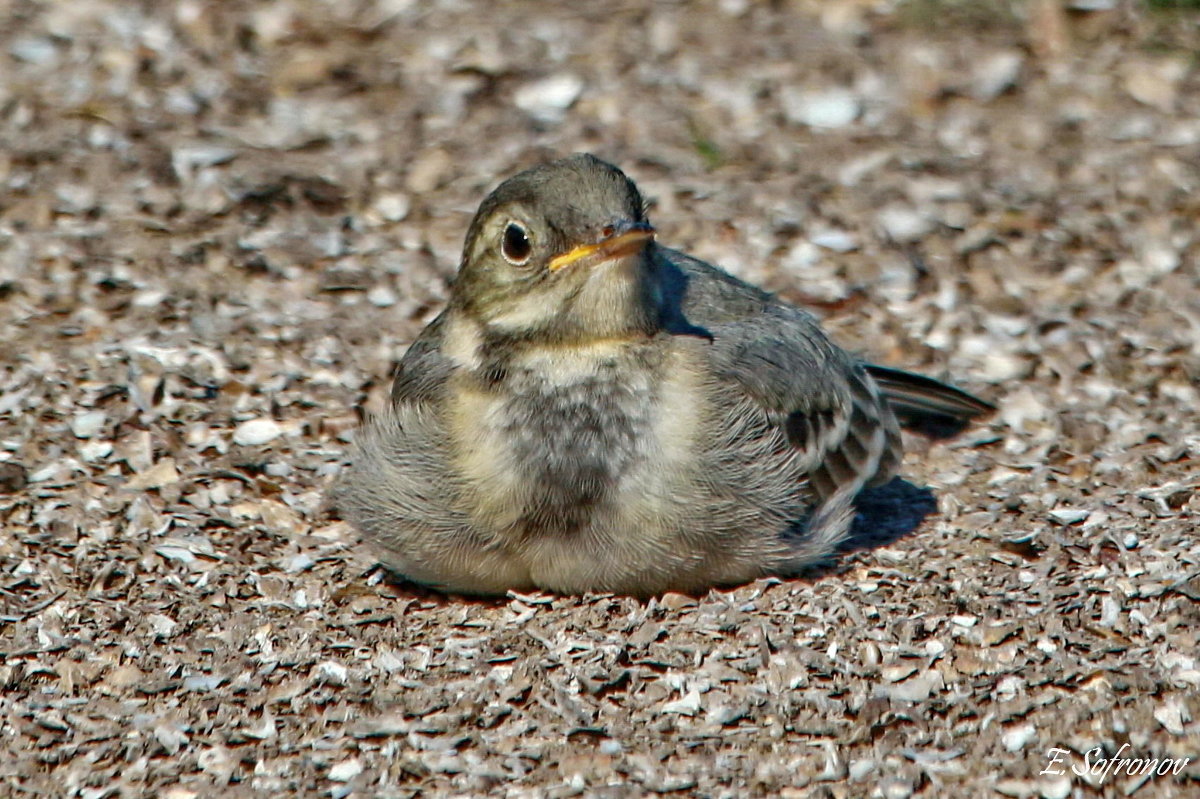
(633, 485)
(621, 477)
(573, 449)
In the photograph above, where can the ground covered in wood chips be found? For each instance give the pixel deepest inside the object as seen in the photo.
(222, 222)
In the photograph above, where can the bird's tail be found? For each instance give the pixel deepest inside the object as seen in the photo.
(927, 405)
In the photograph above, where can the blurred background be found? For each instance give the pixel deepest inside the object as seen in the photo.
(997, 189)
(222, 222)
(954, 154)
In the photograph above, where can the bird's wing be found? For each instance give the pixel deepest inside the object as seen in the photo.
(824, 399)
(423, 370)
(826, 403)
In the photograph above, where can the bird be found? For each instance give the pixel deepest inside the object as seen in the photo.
(596, 412)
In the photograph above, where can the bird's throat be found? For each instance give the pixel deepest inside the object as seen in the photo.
(615, 300)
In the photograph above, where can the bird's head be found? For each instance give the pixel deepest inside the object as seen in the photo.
(562, 251)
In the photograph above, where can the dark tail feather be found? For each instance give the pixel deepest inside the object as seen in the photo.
(926, 405)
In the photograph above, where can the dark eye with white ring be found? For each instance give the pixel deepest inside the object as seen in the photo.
(515, 246)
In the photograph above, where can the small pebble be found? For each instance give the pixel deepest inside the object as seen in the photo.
(903, 224)
(995, 74)
(393, 206)
(382, 297)
(899, 671)
(896, 789)
(675, 601)
(1069, 515)
(333, 672)
(428, 171)
(830, 108)
(34, 50)
(836, 240)
(1173, 716)
(610, 747)
(346, 770)
(256, 432)
(1055, 787)
(859, 769)
(94, 451)
(547, 100)
(1015, 739)
(86, 425)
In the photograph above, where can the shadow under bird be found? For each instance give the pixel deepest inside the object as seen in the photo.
(596, 412)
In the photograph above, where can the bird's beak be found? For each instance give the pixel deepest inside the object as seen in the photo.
(623, 238)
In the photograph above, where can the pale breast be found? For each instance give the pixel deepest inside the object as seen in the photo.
(572, 435)
(625, 468)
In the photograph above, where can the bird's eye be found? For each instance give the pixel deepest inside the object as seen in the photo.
(515, 246)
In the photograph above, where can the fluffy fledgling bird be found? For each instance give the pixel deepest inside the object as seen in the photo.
(596, 412)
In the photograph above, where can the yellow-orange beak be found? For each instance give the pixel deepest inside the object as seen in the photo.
(626, 241)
